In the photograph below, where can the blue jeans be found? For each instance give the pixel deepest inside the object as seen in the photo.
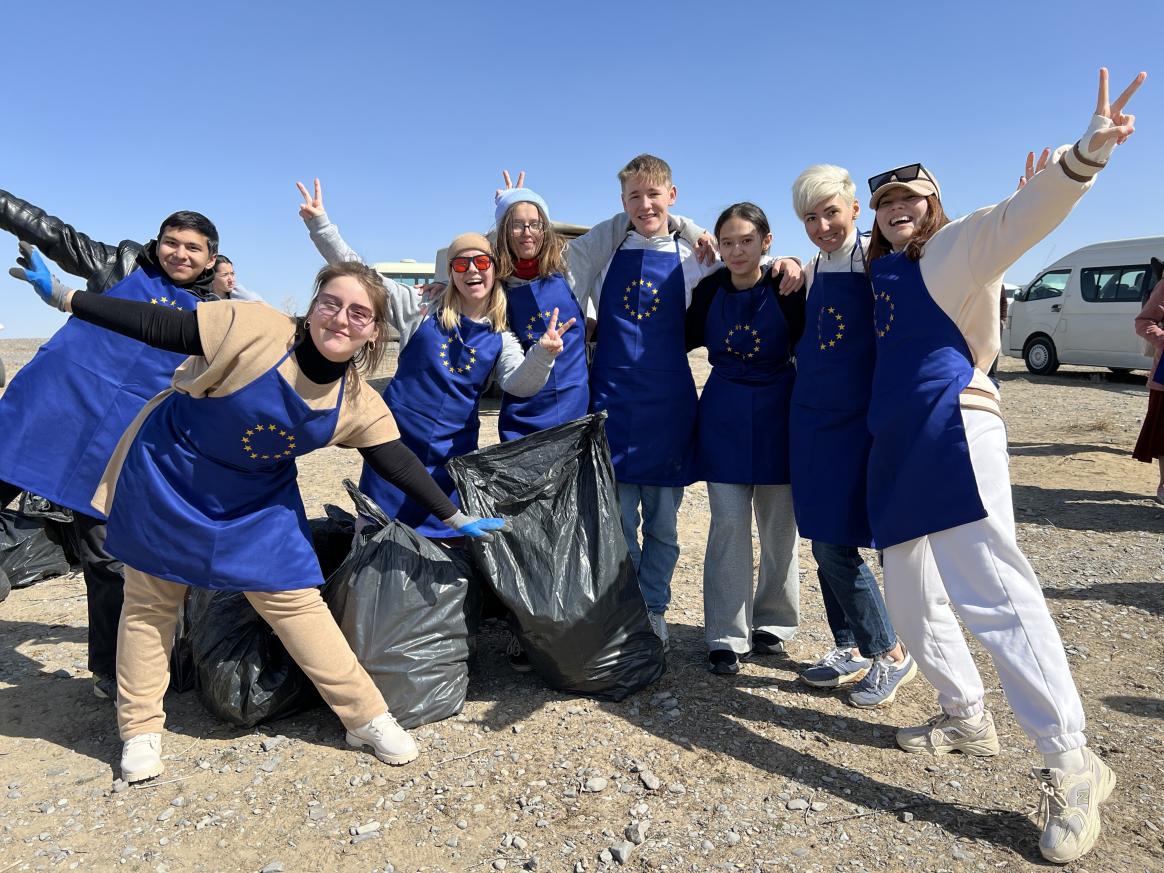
(852, 599)
(655, 560)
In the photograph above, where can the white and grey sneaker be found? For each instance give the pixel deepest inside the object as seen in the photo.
(659, 626)
(944, 734)
(1069, 808)
(879, 687)
(838, 667)
(141, 757)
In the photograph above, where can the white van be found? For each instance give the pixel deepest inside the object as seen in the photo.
(1081, 309)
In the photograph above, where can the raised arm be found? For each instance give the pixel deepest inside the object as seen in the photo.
(324, 234)
(71, 250)
(173, 330)
(990, 240)
(405, 303)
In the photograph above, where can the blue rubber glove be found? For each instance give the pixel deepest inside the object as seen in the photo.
(33, 270)
(477, 528)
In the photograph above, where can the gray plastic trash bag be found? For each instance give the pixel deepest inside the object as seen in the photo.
(402, 602)
(563, 568)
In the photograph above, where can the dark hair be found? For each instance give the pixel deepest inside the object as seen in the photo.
(749, 212)
(222, 259)
(933, 221)
(196, 221)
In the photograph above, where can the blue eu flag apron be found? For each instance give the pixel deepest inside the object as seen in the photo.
(63, 414)
(921, 479)
(640, 375)
(743, 410)
(434, 397)
(830, 437)
(207, 495)
(566, 394)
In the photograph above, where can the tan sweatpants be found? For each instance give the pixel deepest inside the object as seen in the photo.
(302, 621)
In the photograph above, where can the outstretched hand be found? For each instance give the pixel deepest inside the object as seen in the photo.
(1032, 168)
(33, 270)
(551, 340)
(1122, 125)
(509, 186)
(481, 528)
(311, 207)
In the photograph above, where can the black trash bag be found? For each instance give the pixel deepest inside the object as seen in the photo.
(331, 538)
(242, 673)
(58, 524)
(28, 553)
(403, 603)
(5, 586)
(563, 568)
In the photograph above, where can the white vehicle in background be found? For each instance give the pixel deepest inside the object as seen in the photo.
(1081, 309)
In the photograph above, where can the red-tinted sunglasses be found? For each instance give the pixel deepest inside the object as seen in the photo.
(481, 262)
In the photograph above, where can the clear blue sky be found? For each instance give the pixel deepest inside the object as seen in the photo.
(408, 112)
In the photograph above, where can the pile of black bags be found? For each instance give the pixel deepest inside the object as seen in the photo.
(409, 606)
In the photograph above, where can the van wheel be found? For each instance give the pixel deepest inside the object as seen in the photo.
(1039, 356)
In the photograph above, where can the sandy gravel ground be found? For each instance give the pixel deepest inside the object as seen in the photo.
(754, 772)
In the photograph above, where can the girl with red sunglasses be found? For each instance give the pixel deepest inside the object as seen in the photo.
(452, 349)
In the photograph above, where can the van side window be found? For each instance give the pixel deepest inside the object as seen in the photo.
(1047, 285)
(1113, 284)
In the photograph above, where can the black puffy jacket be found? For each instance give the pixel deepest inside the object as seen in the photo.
(102, 266)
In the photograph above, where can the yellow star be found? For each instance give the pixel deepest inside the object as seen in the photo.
(266, 457)
(822, 347)
(832, 343)
(282, 432)
(154, 300)
(270, 427)
(290, 445)
(650, 285)
(250, 433)
(165, 299)
(841, 326)
(831, 309)
(253, 455)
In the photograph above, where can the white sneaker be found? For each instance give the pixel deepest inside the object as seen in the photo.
(141, 757)
(659, 626)
(944, 734)
(1069, 808)
(389, 741)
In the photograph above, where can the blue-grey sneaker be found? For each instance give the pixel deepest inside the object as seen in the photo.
(879, 687)
(838, 667)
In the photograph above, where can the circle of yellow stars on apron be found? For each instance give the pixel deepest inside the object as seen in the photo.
(257, 454)
(883, 327)
(746, 332)
(632, 289)
(532, 323)
(165, 301)
(444, 356)
(822, 327)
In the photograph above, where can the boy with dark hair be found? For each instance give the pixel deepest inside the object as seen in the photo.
(64, 412)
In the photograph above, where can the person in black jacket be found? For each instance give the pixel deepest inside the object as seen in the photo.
(63, 413)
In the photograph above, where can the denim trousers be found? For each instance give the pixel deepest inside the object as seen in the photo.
(655, 559)
(852, 599)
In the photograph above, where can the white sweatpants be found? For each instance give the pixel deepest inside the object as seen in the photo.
(977, 571)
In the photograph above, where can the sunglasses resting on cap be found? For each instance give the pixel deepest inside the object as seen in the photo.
(915, 177)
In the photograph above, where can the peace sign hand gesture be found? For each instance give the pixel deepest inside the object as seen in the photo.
(311, 207)
(551, 340)
(509, 186)
(1110, 126)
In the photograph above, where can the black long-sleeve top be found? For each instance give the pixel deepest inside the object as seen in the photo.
(176, 330)
(791, 305)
